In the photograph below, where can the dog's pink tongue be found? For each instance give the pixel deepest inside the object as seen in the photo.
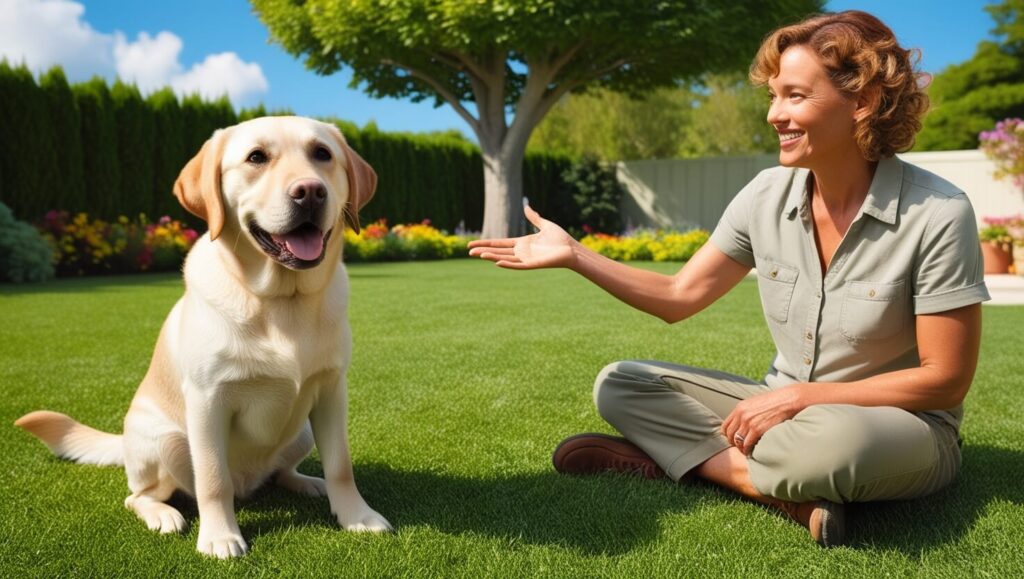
(305, 245)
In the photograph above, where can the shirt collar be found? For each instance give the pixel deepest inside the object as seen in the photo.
(882, 201)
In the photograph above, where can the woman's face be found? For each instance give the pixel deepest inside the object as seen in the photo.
(814, 120)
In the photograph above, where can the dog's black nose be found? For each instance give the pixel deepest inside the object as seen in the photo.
(308, 193)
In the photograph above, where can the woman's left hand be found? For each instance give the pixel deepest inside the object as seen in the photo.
(753, 417)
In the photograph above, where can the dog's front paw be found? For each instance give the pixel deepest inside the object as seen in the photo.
(365, 521)
(222, 545)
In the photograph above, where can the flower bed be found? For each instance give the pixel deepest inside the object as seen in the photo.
(377, 242)
(87, 246)
(648, 244)
(84, 246)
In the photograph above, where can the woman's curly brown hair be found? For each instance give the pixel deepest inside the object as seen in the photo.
(860, 53)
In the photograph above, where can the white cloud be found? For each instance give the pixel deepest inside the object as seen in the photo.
(42, 34)
(222, 74)
(149, 61)
(45, 33)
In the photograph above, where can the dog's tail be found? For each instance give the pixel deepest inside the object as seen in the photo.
(73, 441)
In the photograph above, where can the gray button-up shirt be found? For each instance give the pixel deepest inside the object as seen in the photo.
(912, 249)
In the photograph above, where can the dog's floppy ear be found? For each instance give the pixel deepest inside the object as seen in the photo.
(362, 182)
(198, 184)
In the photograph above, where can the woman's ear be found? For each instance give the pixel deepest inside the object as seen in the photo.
(198, 185)
(867, 103)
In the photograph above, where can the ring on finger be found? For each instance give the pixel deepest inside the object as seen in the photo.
(738, 439)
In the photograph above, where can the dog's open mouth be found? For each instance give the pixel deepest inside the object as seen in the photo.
(300, 248)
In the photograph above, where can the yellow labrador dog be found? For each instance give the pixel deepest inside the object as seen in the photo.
(249, 369)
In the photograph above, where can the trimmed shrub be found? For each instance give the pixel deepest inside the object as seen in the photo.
(596, 193)
(24, 254)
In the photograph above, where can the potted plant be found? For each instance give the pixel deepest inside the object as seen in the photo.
(996, 245)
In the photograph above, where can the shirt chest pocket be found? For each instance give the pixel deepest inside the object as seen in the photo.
(776, 283)
(873, 310)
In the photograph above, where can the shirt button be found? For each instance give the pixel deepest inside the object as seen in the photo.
(871, 294)
(774, 273)
(810, 336)
(807, 361)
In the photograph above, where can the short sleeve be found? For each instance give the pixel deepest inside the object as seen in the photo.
(732, 234)
(949, 272)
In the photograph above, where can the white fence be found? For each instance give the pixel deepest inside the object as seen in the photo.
(682, 193)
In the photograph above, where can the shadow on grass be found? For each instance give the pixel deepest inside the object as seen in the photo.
(615, 514)
(988, 474)
(609, 514)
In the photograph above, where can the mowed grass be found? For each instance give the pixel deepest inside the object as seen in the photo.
(464, 379)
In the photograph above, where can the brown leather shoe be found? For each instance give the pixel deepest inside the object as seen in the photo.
(824, 519)
(593, 453)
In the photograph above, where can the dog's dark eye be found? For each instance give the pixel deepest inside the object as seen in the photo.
(257, 157)
(322, 154)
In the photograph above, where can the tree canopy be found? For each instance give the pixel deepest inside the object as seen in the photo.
(972, 96)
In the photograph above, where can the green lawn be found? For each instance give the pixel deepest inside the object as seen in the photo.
(464, 378)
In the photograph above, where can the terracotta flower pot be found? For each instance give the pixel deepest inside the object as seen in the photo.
(997, 257)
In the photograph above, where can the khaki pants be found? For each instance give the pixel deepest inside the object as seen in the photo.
(836, 452)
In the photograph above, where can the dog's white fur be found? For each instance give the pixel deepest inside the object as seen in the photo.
(249, 368)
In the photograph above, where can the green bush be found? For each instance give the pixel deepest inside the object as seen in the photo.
(596, 193)
(24, 254)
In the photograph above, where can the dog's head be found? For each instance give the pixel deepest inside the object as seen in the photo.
(285, 183)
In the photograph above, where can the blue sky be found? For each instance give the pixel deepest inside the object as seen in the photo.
(220, 46)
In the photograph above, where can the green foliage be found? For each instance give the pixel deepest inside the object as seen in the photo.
(135, 145)
(70, 166)
(662, 42)
(28, 151)
(596, 193)
(24, 254)
(970, 97)
(723, 115)
(99, 147)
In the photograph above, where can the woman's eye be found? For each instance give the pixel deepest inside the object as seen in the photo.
(322, 154)
(257, 157)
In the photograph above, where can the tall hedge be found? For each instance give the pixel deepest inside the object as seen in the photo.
(99, 147)
(28, 155)
(169, 152)
(135, 130)
(110, 152)
(66, 124)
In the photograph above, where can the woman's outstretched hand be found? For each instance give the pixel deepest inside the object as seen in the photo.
(551, 246)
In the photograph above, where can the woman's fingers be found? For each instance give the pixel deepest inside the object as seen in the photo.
(507, 242)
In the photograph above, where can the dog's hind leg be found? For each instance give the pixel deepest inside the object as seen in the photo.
(156, 468)
(288, 477)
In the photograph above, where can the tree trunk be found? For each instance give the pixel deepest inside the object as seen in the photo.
(503, 192)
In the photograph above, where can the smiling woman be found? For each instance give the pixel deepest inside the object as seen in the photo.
(870, 278)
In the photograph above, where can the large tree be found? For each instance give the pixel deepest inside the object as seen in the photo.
(502, 64)
(972, 96)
